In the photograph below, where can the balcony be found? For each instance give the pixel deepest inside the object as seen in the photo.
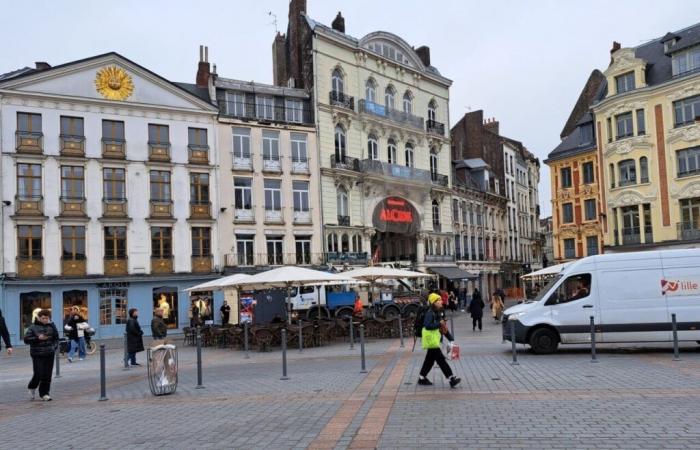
(201, 264)
(300, 166)
(161, 265)
(72, 207)
(113, 148)
(345, 162)
(631, 236)
(688, 231)
(272, 165)
(116, 267)
(279, 113)
(398, 117)
(73, 267)
(403, 172)
(274, 259)
(198, 154)
(161, 209)
(159, 151)
(435, 127)
(242, 164)
(200, 210)
(437, 227)
(440, 258)
(116, 208)
(302, 217)
(341, 99)
(30, 267)
(72, 145)
(244, 215)
(29, 142)
(274, 216)
(350, 258)
(344, 221)
(29, 205)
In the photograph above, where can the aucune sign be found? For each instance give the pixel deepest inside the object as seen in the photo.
(395, 215)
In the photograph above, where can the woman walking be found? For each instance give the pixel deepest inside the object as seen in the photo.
(42, 338)
(476, 309)
(496, 307)
(134, 337)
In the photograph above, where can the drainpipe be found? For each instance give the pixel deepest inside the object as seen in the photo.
(318, 146)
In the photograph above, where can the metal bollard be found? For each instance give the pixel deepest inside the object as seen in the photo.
(103, 375)
(284, 355)
(352, 335)
(301, 337)
(512, 341)
(126, 354)
(676, 356)
(400, 331)
(199, 359)
(362, 348)
(593, 355)
(452, 324)
(245, 340)
(58, 365)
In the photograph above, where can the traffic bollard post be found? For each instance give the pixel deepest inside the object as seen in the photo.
(284, 355)
(301, 337)
(103, 375)
(512, 341)
(245, 340)
(594, 359)
(199, 360)
(400, 331)
(674, 325)
(452, 324)
(352, 335)
(362, 348)
(126, 354)
(58, 365)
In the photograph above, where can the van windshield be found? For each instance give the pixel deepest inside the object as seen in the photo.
(547, 287)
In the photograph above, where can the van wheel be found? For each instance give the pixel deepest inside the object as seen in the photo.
(544, 341)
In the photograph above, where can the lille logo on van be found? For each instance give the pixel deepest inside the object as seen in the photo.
(678, 286)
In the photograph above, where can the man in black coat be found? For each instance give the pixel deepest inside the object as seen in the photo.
(5, 334)
(42, 338)
(476, 309)
(134, 337)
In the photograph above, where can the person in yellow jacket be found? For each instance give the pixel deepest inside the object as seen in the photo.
(433, 329)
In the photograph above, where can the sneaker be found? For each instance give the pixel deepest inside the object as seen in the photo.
(454, 381)
(32, 393)
(135, 364)
(82, 359)
(70, 360)
(424, 382)
(46, 398)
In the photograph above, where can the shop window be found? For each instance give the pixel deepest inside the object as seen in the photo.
(165, 298)
(78, 299)
(201, 308)
(30, 304)
(113, 306)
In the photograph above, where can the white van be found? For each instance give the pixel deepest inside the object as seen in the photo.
(630, 296)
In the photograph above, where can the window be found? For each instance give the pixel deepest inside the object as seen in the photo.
(113, 306)
(199, 188)
(690, 214)
(630, 224)
(28, 181)
(342, 202)
(273, 195)
(372, 147)
(589, 207)
(643, 170)
(244, 249)
(29, 123)
(624, 82)
(688, 161)
(436, 214)
(158, 134)
(588, 174)
(300, 193)
(389, 98)
(242, 193)
(274, 250)
(160, 186)
(77, 299)
(340, 144)
(407, 103)
(569, 248)
(391, 151)
(370, 91)
(648, 234)
(574, 288)
(612, 175)
(565, 177)
(299, 154)
(72, 182)
(567, 212)
(112, 130)
(623, 122)
(337, 83)
(608, 123)
(294, 110)
(431, 111)
(271, 145)
(29, 242)
(409, 155)
(115, 243)
(30, 304)
(73, 242)
(686, 61)
(332, 242)
(433, 164)
(264, 107)
(114, 184)
(586, 131)
(591, 245)
(641, 127)
(628, 172)
(201, 242)
(235, 104)
(72, 126)
(303, 249)
(165, 298)
(161, 242)
(685, 111)
(197, 137)
(241, 144)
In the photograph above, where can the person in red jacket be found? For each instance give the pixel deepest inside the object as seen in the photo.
(357, 310)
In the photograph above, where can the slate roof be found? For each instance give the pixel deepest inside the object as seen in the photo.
(202, 93)
(658, 62)
(16, 73)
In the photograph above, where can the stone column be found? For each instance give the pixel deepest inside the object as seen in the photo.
(642, 224)
(420, 248)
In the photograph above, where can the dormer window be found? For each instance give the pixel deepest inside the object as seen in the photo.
(586, 133)
(687, 61)
(624, 82)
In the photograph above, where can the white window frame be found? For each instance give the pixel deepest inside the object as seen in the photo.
(294, 110)
(409, 155)
(372, 147)
(264, 107)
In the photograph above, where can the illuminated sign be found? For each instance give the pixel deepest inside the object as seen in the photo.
(395, 215)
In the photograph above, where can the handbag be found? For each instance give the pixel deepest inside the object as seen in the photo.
(430, 339)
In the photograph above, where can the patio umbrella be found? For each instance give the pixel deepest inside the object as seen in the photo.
(219, 283)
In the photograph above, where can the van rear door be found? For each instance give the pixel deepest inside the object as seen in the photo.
(680, 285)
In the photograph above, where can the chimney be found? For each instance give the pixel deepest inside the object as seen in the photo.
(294, 49)
(41, 65)
(615, 47)
(338, 23)
(423, 53)
(203, 71)
(279, 60)
(491, 124)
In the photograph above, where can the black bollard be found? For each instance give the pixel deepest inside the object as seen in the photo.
(245, 340)
(594, 359)
(126, 354)
(362, 348)
(199, 360)
(452, 324)
(352, 335)
(676, 356)
(400, 331)
(103, 375)
(58, 364)
(301, 337)
(284, 355)
(512, 341)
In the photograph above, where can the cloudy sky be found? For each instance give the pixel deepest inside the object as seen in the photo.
(522, 62)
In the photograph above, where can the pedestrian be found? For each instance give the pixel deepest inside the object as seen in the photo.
(42, 338)
(463, 299)
(476, 309)
(357, 308)
(76, 333)
(496, 307)
(225, 313)
(5, 334)
(431, 335)
(159, 329)
(134, 337)
(452, 301)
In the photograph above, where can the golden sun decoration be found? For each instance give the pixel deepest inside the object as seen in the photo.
(114, 83)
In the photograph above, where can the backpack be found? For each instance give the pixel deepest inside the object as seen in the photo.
(418, 323)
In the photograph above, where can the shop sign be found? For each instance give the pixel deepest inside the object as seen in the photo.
(395, 215)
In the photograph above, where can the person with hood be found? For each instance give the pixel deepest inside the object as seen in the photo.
(42, 338)
(159, 329)
(134, 337)
(76, 333)
(431, 335)
(476, 309)
(5, 335)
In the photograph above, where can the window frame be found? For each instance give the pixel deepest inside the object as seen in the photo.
(689, 105)
(201, 242)
(686, 156)
(626, 81)
(567, 208)
(158, 134)
(199, 188)
(627, 172)
(161, 239)
(590, 214)
(72, 238)
(240, 192)
(588, 170)
(32, 247)
(115, 242)
(624, 125)
(72, 183)
(75, 126)
(273, 194)
(160, 188)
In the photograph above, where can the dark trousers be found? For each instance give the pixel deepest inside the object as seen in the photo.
(432, 356)
(43, 369)
(131, 357)
(475, 321)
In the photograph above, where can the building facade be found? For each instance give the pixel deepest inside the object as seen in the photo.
(649, 143)
(547, 229)
(107, 171)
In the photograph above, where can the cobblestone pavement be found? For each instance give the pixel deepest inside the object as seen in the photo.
(634, 397)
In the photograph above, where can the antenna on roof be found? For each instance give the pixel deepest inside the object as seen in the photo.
(274, 20)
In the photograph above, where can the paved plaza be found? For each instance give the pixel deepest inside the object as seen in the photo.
(634, 397)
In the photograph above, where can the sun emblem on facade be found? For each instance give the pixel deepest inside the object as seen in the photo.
(114, 83)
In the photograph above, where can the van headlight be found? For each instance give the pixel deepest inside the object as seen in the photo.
(515, 316)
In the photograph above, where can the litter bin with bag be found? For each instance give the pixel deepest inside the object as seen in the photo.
(162, 369)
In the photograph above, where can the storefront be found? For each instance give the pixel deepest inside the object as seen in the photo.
(397, 223)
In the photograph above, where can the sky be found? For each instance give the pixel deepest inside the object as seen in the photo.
(524, 62)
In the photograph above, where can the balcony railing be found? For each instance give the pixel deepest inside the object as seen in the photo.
(266, 113)
(437, 227)
(688, 231)
(300, 166)
(201, 264)
(200, 210)
(631, 236)
(73, 267)
(439, 258)
(244, 215)
(272, 165)
(159, 151)
(72, 207)
(273, 259)
(439, 180)
(198, 154)
(114, 207)
(161, 209)
(113, 148)
(351, 258)
(345, 162)
(435, 127)
(243, 163)
(274, 216)
(116, 266)
(162, 265)
(72, 145)
(403, 172)
(30, 267)
(341, 99)
(393, 115)
(302, 217)
(344, 221)
(29, 142)
(29, 205)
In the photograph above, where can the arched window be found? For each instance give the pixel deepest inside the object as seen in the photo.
(344, 243)
(357, 243)
(371, 91)
(389, 98)
(337, 83)
(342, 204)
(409, 155)
(332, 242)
(433, 164)
(438, 246)
(643, 170)
(431, 111)
(407, 103)
(372, 147)
(612, 176)
(391, 152)
(436, 215)
(340, 144)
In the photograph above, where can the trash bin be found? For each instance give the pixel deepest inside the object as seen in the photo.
(162, 369)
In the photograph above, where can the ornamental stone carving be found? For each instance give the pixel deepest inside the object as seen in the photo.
(688, 134)
(624, 60)
(625, 146)
(625, 107)
(631, 197)
(688, 91)
(690, 190)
